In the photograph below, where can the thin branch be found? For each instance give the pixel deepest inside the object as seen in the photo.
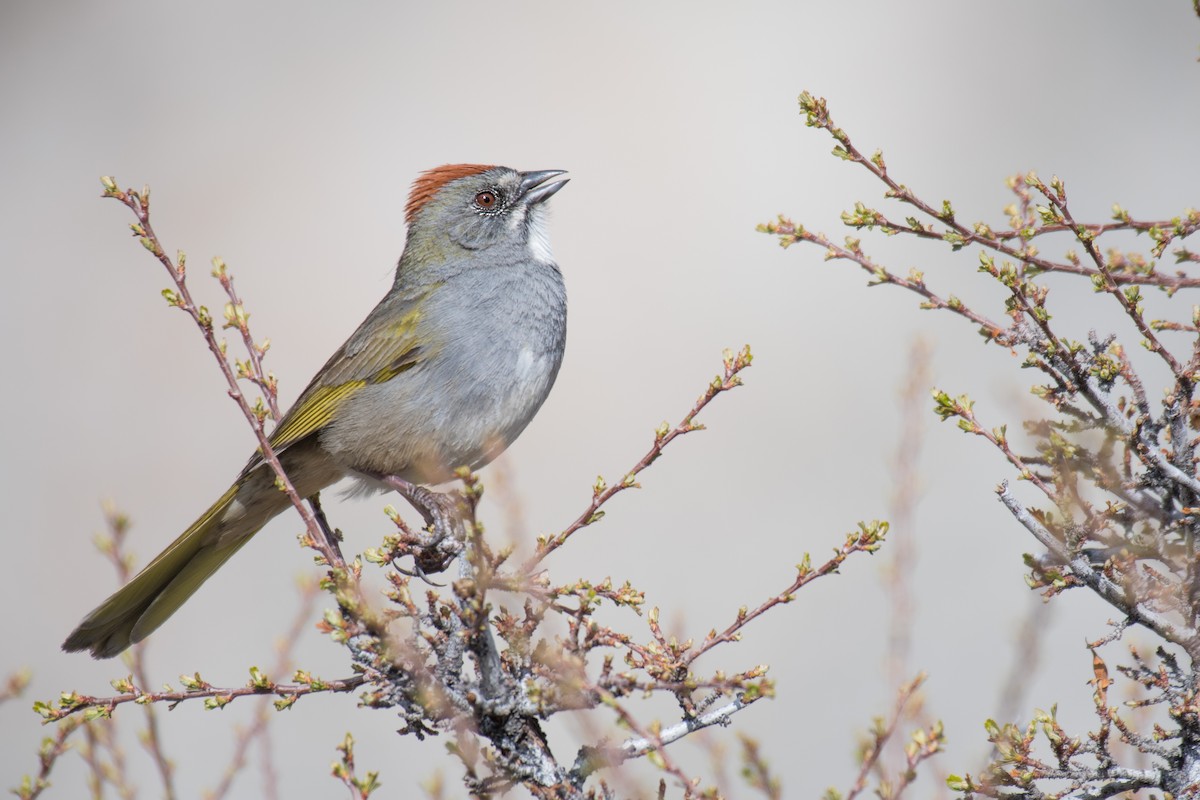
(258, 730)
(882, 735)
(789, 233)
(602, 492)
(902, 512)
(180, 297)
(101, 736)
(215, 697)
(48, 754)
(817, 114)
(1026, 658)
(644, 743)
(344, 771)
(14, 686)
(867, 539)
(114, 549)
(756, 771)
(236, 316)
(638, 746)
(1086, 237)
(1081, 568)
(1129, 781)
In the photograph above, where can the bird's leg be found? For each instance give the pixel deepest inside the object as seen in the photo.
(332, 537)
(443, 515)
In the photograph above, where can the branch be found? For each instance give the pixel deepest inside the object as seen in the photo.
(1129, 780)
(343, 770)
(590, 759)
(959, 235)
(262, 718)
(197, 689)
(1097, 581)
(181, 298)
(15, 685)
(867, 539)
(48, 754)
(114, 549)
(602, 492)
(639, 746)
(882, 735)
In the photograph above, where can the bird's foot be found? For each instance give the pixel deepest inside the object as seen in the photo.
(444, 514)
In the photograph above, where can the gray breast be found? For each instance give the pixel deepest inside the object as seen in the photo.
(497, 337)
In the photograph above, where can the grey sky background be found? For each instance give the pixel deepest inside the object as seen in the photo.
(283, 137)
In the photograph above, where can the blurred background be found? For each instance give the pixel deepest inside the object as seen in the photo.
(283, 137)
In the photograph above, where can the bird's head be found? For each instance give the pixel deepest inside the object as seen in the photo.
(477, 207)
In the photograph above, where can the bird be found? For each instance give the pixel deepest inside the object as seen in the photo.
(444, 373)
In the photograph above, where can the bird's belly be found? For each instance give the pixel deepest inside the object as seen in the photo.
(440, 416)
(490, 419)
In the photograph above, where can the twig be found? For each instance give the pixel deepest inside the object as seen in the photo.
(180, 297)
(52, 747)
(101, 735)
(883, 735)
(198, 689)
(343, 770)
(258, 730)
(637, 746)
(789, 233)
(902, 514)
(602, 492)
(114, 549)
(1115, 595)
(756, 772)
(867, 539)
(817, 114)
(1135, 542)
(15, 685)
(644, 743)
(236, 316)
(1026, 658)
(1087, 238)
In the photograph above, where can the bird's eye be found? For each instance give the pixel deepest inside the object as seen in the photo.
(486, 200)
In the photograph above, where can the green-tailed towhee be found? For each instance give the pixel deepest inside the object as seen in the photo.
(444, 373)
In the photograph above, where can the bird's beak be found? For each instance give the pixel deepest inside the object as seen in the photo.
(534, 187)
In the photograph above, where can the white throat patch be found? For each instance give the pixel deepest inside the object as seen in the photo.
(539, 239)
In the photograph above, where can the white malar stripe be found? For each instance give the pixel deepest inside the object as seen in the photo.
(539, 239)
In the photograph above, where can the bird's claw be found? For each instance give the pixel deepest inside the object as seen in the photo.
(446, 534)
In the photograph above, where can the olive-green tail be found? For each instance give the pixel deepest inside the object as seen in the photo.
(157, 592)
